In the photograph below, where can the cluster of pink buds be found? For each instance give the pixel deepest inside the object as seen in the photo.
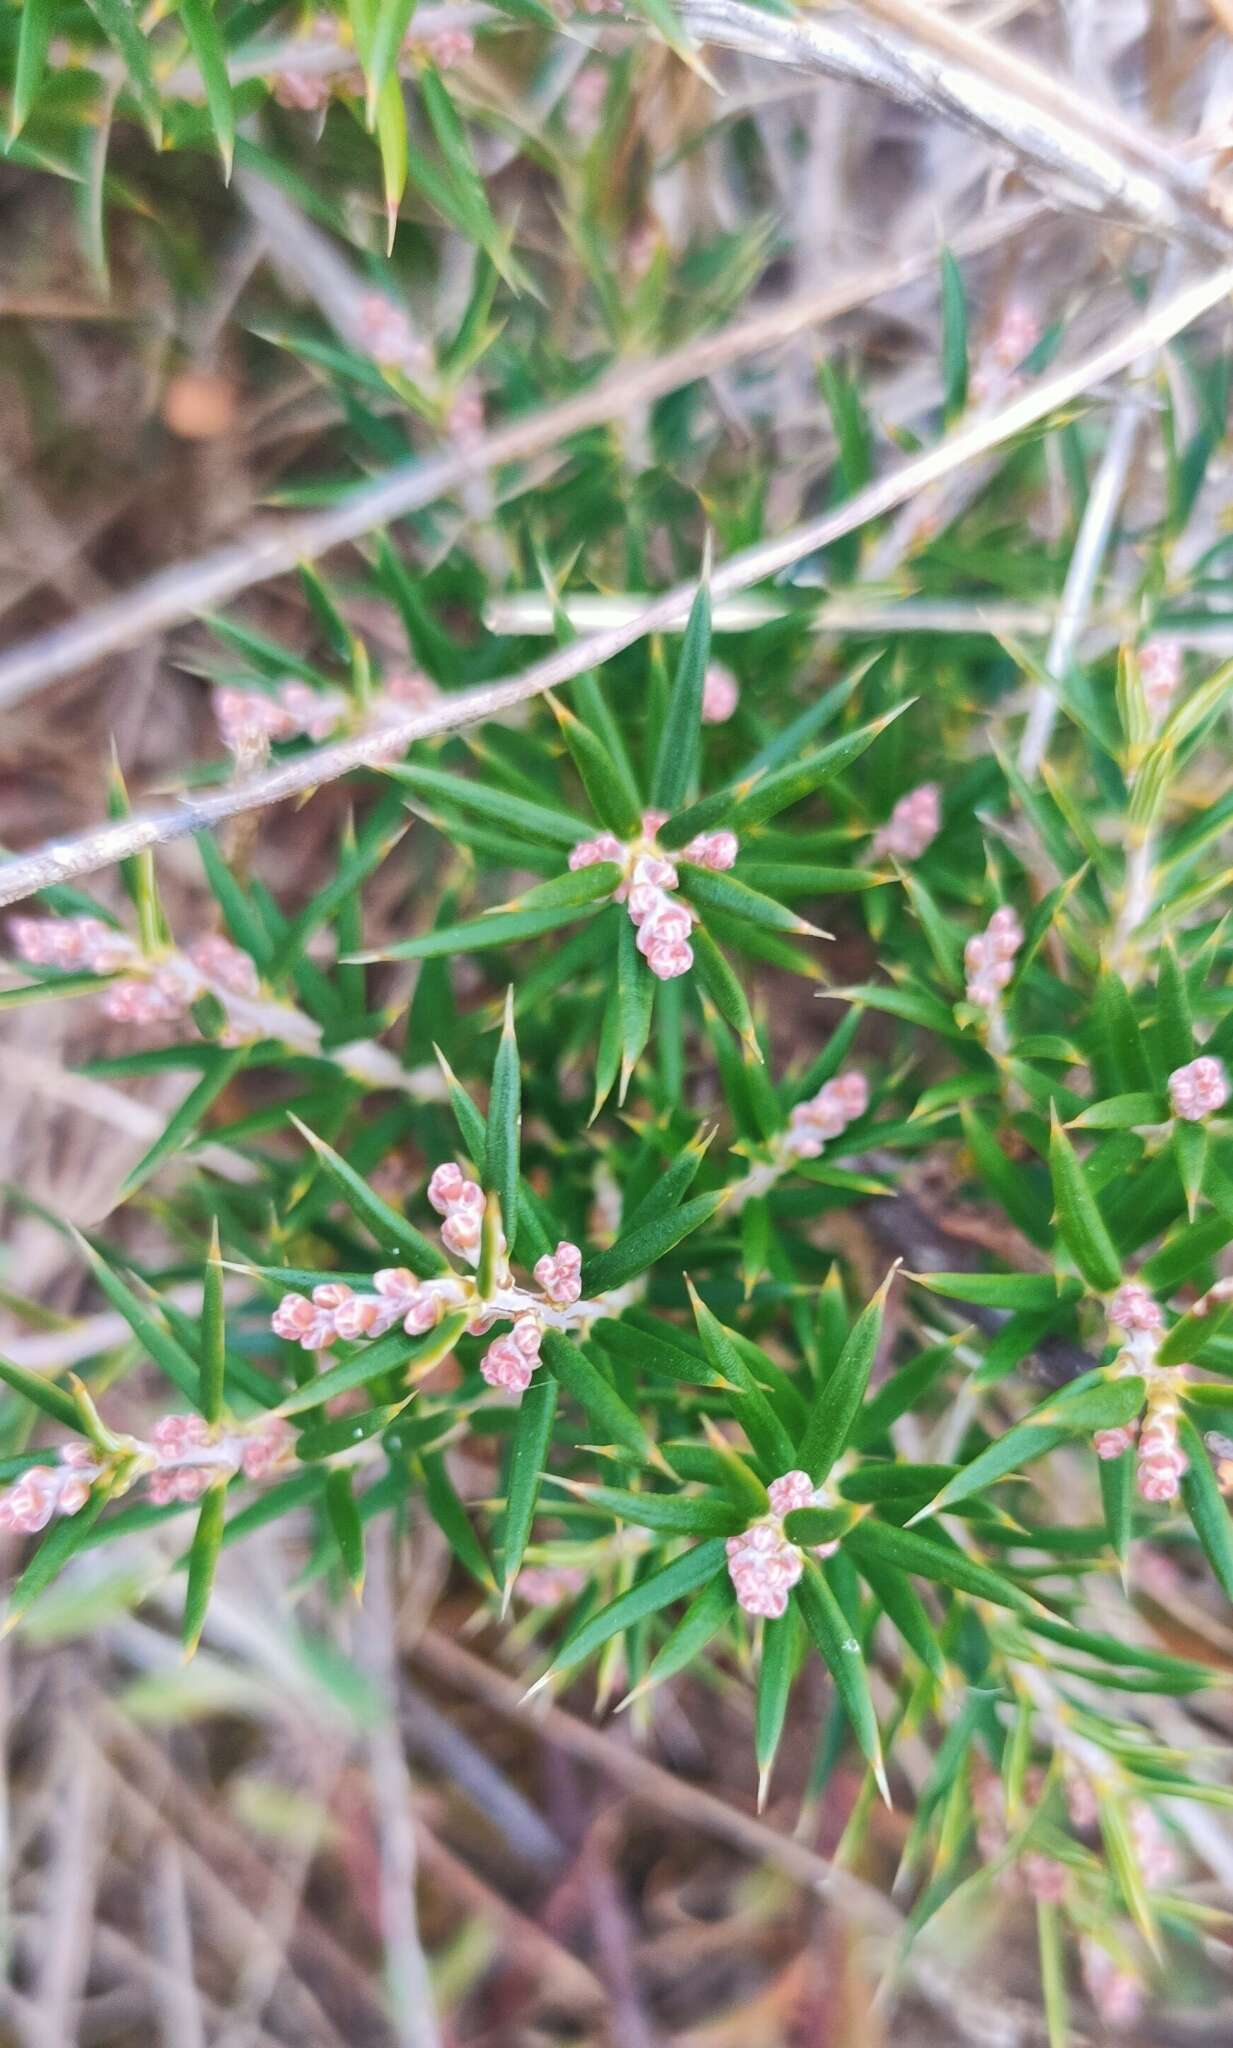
(249, 718)
(584, 102)
(1198, 1089)
(465, 419)
(81, 944)
(1160, 671)
(46, 1490)
(1162, 1461)
(1115, 1991)
(461, 1202)
(1014, 337)
(155, 992)
(1154, 1852)
(913, 825)
(383, 332)
(559, 1273)
(543, 1585)
(721, 693)
(301, 92)
(335, 1310)
(1041, 1876)
(1133, 1308)
(648, 879)
(190, 1455)
(989, 957)
(447, 47)
(511, 1360)
(838, 1103)
(763, 1564)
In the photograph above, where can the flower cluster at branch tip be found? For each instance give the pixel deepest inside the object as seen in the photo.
(249, 719)
(1013, 339)
(1160, 672)
(913, 825)
(158, 990)
(1198, 1089)
(648, 879)
(335, 1310)
(183, 1456)
(1162, 1463)
(1115, 1991)
(763, 1564)
(721, 693)
(838, 1103)
(989, 957)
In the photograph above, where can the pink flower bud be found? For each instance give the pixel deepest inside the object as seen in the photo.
(1199, 1089)
(267, 1446)
(763, 1567)
(225, 965)
(1110, 1443)
(382, 332)
(669, 958)
(174, 1436)
(450, 46)
(989, 957)
(1045, 1878)
(465, 422)
(1133, 1308)
(247, 719)
(315, 713)
(913, 825)
(446, 1187)
(589, 853)
(1115, 1991)
(359, 1317)
(1160, 670)
(511, 1361)
(163, 997)
(1153, 1850)
(559, 1274)
(548, 1585)
(297, 1320)
(1015, 336)
(300, 92)
(29, 1504)
(714, 850)
(793, 1490)
(721, 693)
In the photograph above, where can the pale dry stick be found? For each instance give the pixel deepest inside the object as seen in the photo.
(69, 1893)
(693, 1808)
(50, 1351)
(1091, 542)
(185, 591)
(173, 1991)
(111, 1106)
(99, 848)
(1079, 169)
(1051, 92)
(414, 2013)
(527, 612)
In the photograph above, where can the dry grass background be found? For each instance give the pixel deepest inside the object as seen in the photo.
(225, 1853)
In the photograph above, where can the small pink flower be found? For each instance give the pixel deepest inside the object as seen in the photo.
(173, 1436)
(548, 1585)
(446, 1187)
(669, 958)
(267, 1446)
(1115, 1991)
(300, 92)
(224, 964)
(721, 693)
(29, 1504)
(1110, 1443)
(382, 331)
(163, 997)
(178, 1482)
(1133, 1308)
(363, 1315)
(1162, 1461)
(1160, 670)
(794, 1489)
(1153, 1849)
(651, 822)
(590, 852)
(450, 46)
(763, 1567)
(913, 825)
(1044, 1878)
(300, 1322)
(1199, 1089)
(989, 957)
(314, 713)
(714, 850)
(247, 719)
(666, 922)
(559, 1274)
(72, 942)
(465, 422)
